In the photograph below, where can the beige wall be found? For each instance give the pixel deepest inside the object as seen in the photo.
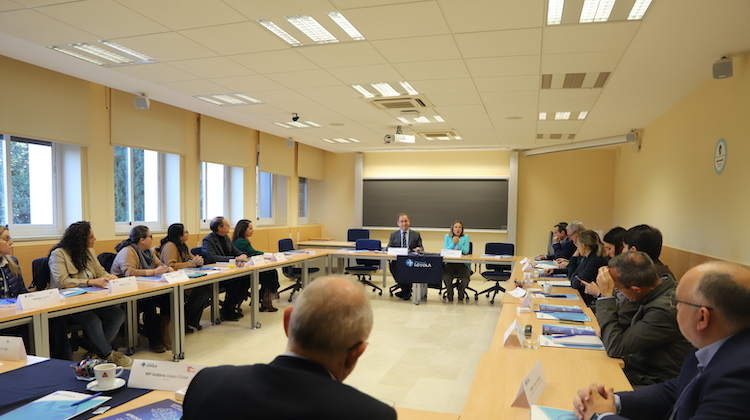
(671, 183)
(562, 187)
(337, 204)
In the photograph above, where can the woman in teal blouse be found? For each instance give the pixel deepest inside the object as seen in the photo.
(456, 239)
(269, 279)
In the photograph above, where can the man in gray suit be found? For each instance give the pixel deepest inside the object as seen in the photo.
(404, 238)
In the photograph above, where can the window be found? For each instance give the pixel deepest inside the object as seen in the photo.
(302, 199)
(28, 186)
(138, 188)
(213, 190)
(265, 198)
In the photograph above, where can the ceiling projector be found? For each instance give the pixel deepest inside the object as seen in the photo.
(399, 138)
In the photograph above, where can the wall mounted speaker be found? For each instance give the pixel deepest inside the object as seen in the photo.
(723, 68)
(142, 102)
(290, 144)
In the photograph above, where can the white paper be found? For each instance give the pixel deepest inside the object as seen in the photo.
(512, 328)
(125, 284)
(518, 292)
(398, 251)
(174, 277)
(161, 375)
(531, 387)
(257, 260)
(12, 348)
(527, 302)
(38, 299)
(450, 253)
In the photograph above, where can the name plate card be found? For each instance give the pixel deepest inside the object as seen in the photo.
(161, 375)
(125, 284)
(398, 251)
(527, 302)
(516, 328)
(257, 260)
(174, 277)
(279, 257)
(450, 253)
(531, 387)
(38, 299)
(525, 261)
(12, 348)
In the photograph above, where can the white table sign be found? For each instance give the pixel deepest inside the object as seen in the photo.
(257, 260)
(38, 299)
(161, 375)
(125, 284)
(516, 328)
(527, 302)
(279, 257)
(450, 253)
(531, 387)
(174, 277)
(398, 251)
(12, 348)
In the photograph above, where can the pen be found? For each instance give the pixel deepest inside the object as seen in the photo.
(563, 336)
(89, 398)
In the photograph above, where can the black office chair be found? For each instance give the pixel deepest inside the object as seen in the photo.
(444, 293)
(353, 234)
(197, 251)
(365, 268)
(106, 259)
(40, 274)
(496, 272)
(293, 273)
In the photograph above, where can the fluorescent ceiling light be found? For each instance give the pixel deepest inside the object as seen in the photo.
(596, 11)
(385, 89)
(363, 91)
(582, 115)
(297, 124)
(229, 99)
(339, 140)
(210, 99)
(280, 32)
(247, 98)
(562, 115)
(312, 124)
(311, 28)
(328, 141)
(422, 120)
(438, 118)
(443, 138)
(639, 9)
(345, 25)
(282, 125)
(542, 116)
(555, 11)
(354, 140)
(403, 120)
(457, 138)
(80, 56)
(103, 53)
(128, 51)
(409, 89)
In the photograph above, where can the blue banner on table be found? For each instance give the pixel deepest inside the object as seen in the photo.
(415, 268)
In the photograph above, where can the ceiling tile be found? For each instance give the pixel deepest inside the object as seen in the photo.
(462, 98)
(398, 21)
(327, 93)
(280, 96)
(236, 38)
(6, 5)
(274, 61)
(559, 127)
(305, 78)
(181, 14)
(155, 73)
(521, 96)
(169, 46)
(279, 8)
(195, 87)
(431, 70)
(248, 84)
(612, 36)
(428, 87)
(504, 66)
(41, 29)
(214, 67)
(426, 48)
(490, 15)
(104, 18)
(342, 54)
(366, 74)
(506, 83)
(580, 62)
(500, 43)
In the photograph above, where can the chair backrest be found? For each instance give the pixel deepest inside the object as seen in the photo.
(197, 251)
(369, 245)
(40, 276)
(286, 245)
(106, 259)
(499, 248)
(353, 234)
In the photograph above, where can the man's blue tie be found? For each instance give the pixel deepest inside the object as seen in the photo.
(403, 239)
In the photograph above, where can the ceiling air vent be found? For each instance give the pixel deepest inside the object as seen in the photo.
(397, 104)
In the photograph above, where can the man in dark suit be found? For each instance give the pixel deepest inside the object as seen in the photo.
(711, 301)
(404, 238)
(218, 247)
(328, 327)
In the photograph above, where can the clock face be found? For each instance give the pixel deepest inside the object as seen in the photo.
(720, 156)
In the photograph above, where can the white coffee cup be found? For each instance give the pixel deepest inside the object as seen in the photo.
(547, 287)
(106, 373)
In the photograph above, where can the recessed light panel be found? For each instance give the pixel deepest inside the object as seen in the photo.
(104, 53)
(229, 99)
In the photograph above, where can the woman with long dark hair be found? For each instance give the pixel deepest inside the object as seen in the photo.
(175, 253)
(136, 258)
(72, 263)
(269, 279)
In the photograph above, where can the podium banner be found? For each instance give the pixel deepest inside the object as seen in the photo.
(415, 268)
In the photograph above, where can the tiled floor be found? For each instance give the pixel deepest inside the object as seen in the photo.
(419, 356)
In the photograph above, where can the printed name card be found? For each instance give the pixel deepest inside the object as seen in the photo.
(531, 387)
(12, 348)
(527, 302)
(38, 299)
(257, 260)
(174, 277)
(450, 253)
(516, 328)
(525, 261)
(161, 375)
(125, 284)
(279, 256)
(398, 251)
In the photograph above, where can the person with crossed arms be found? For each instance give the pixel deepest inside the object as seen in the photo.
(712, 302)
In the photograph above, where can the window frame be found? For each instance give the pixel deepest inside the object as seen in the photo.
(160, 224)
(303, 200)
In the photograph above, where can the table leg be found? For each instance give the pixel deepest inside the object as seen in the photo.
(178, 322)
(131, 326)
(40, 327)
(215, 316)
(255, 297)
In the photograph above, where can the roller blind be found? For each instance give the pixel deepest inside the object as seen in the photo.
(162, 127)
(46, 105)
(226, 143)
(310, 162)
(275, 157)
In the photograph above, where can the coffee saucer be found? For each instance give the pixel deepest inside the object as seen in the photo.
(94, 386)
